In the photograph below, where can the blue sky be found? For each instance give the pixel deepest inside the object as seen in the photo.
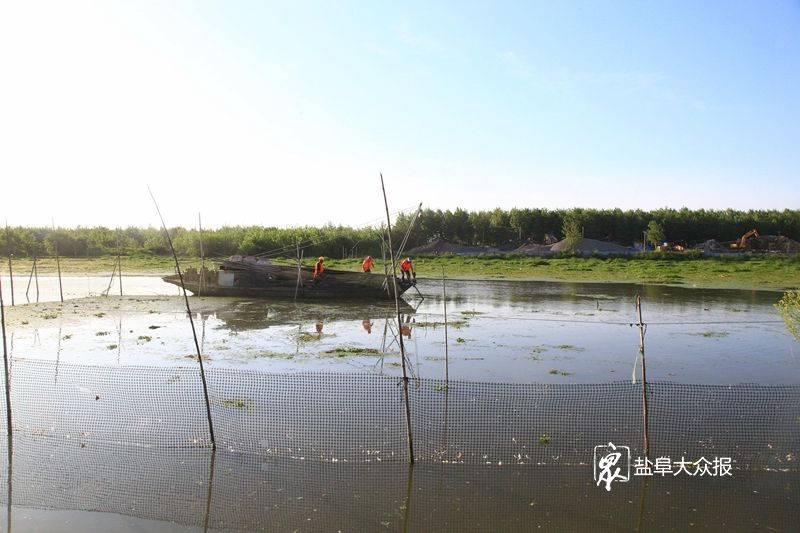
(284, 113)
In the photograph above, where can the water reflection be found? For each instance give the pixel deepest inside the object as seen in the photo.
(60, 487)
(498, 331)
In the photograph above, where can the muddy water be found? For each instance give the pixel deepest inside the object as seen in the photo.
(497, 331)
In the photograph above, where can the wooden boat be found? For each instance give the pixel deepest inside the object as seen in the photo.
(251, 276)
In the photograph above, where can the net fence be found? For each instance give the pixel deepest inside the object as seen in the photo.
(359, 418)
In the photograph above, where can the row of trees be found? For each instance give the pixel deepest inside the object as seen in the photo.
(489, 228)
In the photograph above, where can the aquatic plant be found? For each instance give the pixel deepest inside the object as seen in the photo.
(789, 308)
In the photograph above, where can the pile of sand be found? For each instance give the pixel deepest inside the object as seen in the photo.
(588, 246)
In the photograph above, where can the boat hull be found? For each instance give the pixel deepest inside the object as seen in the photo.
(247, 280)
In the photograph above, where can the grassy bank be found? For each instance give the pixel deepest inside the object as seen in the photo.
(761, 272)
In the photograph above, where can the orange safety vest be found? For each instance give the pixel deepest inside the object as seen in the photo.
(319, 268)
(367, 264)
(405, 266)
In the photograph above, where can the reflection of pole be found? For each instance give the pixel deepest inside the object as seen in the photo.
(644, 377)
(642, 499)
(210, 489)
(400, 328)
(409, 483)
(10, 271)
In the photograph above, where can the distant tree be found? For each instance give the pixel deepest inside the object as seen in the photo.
(655, 233)
(573, 227)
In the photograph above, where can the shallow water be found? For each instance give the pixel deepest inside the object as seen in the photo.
(106, 449)
(520, 332)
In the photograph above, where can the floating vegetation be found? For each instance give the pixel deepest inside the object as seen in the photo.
(154, 327)
(241, 404)
(441, 388)
(569, 347)
(305, 336)
(472, 313)
(434, 358)
(100, 314)
(456, 324)
(461, 340)
(112, 346)
(556, 371)
(708, 334)
(49, 316)
(344, 351)
(143, 338)
(66, 337)
(534, 357)
(544, 439)
(102, 333)
(539, 349)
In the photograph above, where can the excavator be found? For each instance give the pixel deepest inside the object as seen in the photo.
(741, 244)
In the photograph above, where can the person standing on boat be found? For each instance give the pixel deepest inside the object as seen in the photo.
(407, 269)
(319, 269)
(367, 264)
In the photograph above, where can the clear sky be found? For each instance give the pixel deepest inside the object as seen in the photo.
(283, 113)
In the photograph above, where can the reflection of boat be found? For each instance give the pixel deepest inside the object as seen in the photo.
(250, 276)
(253, 314)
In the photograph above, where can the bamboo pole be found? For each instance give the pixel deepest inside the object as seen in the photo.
(446, 355)
(110, 281)
(34, 273)
(399, 326)
(201, 285)
(191, 321)
(6, 370)
(299, 269)
(10, 270)
(58, 262)
(119, 268)
(644, 376)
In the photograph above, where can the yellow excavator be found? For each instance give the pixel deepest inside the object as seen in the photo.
(741, 244)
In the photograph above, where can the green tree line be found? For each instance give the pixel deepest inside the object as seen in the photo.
(488, 228)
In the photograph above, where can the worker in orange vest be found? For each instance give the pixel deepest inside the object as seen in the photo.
(406, 269)
(368, 264)
(319, 268)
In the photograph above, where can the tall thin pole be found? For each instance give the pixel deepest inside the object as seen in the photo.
(191, 321)
(10, 270)
(119, 262)
(202, 280)
(644, 377)
(399, 327)
(446, 357)
(58, 263)
(6, 370)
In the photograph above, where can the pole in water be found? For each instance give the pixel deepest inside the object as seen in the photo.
(399, 327)
(58, 263)
(191, 321)
(446, 358)
(10, 270)
(644, 377)
(6, 369)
